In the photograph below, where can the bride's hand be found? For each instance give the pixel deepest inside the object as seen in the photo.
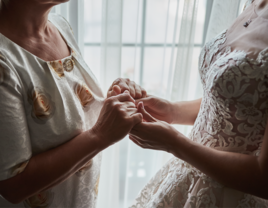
(120, 85)
(154, 134)
(159, 108)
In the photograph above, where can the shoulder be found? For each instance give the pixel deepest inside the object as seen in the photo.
(60, 22)
(64, 28)
(9, 78)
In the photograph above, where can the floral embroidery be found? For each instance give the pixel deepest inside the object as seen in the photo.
(41, 200)
(86, 167)
(57, 66)
(83, 93)
(232, 117)
(42, 106)
(249, 201)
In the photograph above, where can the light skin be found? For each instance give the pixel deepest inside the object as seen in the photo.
(25, 23)
(242, 172)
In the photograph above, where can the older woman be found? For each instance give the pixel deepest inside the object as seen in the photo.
(54, 122)
(224, 162)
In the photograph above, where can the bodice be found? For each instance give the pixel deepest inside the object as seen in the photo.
(234, 108)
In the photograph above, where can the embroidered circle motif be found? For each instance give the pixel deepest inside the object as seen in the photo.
(83, 93)
(42, 106)
(57, 67)
(68, 65)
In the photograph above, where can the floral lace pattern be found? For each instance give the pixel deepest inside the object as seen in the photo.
(232, 117)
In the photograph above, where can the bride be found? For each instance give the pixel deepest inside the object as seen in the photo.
(224, 162)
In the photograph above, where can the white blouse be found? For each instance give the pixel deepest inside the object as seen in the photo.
(43, 105)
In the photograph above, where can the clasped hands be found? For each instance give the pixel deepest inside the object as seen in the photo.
(129, 110)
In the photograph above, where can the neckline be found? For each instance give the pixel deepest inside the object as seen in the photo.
(254, 10)
(38, 58)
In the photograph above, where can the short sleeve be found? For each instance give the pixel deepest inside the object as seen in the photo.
(15, 146)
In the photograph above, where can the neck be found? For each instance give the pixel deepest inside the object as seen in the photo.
(27, 17)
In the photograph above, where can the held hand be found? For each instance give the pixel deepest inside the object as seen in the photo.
(153, 134)
(120, 85)
(159, 108)
(117, 117)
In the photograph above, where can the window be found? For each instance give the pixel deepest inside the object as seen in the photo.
(149, 40)
(144, 39)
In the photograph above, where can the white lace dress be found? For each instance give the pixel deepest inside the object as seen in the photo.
(232, 117)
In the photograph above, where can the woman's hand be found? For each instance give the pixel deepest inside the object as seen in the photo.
(154, 134)
(120, 85)
(159, 108)
(117, 118)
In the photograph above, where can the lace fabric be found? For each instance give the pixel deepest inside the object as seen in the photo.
(232, 117)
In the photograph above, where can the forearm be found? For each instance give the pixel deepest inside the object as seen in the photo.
(51, 167)
(185, 112)
(234, 170)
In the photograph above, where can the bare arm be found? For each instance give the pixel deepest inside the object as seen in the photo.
(184, 112)
(47, 169)
(53, 167)
(245, 173)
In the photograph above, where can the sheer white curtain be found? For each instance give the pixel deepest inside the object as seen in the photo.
(155, 43)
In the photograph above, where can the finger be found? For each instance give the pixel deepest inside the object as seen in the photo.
(116, 90)
(141, 143)
(123, 85)
(146, 100)
(132, 111)
(135, 141)
(137, 91)
(129, 105)
(131, 85)
(116, 82)
(144, 93)
(146, 116)
(136, 118)
(125, 97)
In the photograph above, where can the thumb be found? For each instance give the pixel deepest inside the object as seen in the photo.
(146, 116)
(136, 118)
(116, 90)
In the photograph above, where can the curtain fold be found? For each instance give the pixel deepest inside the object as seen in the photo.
(180, 84)
(111, 45)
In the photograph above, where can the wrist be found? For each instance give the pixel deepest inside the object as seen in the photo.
(98, 138)
(174, 113)
(181, 146)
